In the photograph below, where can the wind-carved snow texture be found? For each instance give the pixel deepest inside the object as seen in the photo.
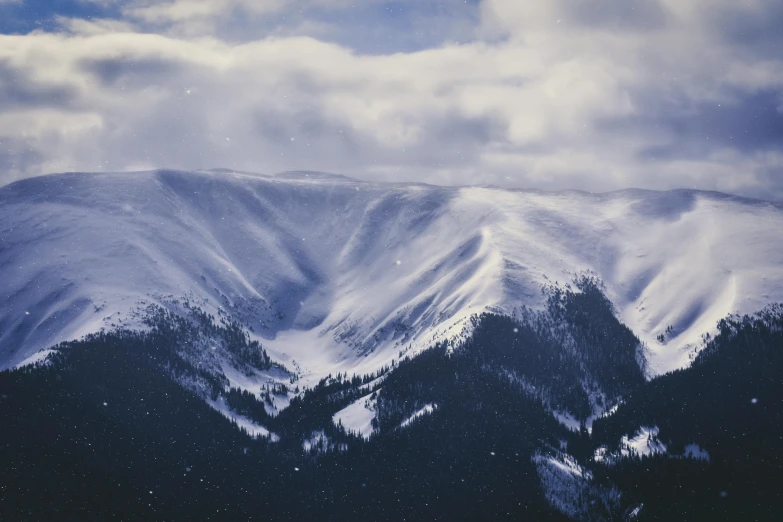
(336, 275)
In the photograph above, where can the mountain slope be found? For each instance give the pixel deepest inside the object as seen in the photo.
(102, 431)
(723, 412)
(337, 275)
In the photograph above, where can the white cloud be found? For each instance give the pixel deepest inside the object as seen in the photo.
(545, 96)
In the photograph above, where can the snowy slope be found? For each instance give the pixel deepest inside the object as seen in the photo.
(340, 275)
(357, 417)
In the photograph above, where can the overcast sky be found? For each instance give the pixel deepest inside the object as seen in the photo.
(587, 94)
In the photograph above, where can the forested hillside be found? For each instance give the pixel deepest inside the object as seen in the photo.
(132, 425)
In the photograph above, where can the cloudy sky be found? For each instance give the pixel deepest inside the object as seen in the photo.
(587, 94)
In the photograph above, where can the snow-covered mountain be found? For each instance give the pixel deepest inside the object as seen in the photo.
(334, 274)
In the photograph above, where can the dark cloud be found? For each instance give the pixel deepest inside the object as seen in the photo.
(308, 138)
(130, 71)
(633, 15)
(758, 30)
(400, 26)
(18, 90)
(748, 124)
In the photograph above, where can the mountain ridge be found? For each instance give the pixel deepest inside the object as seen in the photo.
(335, 274)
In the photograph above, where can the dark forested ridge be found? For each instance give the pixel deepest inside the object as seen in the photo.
(116, 427)
(101, 433)
(729, 403)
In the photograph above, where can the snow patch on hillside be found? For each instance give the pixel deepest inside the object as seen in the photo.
(252, 428)
(693, 451)
(426, 410)
(38, 357)
(357, 417)
(569, 487)
(645, 442)
(567, 420)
